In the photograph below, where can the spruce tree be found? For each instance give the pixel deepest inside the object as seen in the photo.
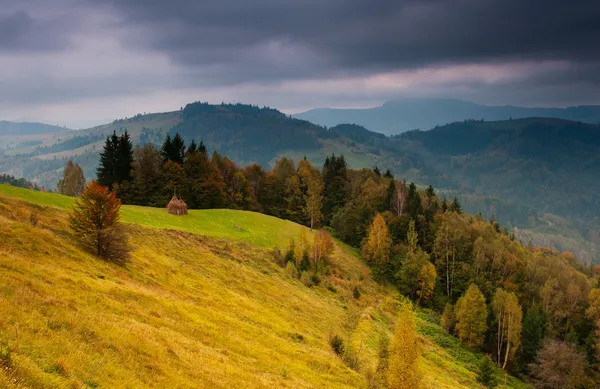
(455, 206)
(413, 202)
(335, 181)
(192, 148)
(106, 172)
(178, 151)
(534, 328)
(167, 148)
(124, 159)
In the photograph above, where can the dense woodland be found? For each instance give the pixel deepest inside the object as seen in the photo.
(531, 309)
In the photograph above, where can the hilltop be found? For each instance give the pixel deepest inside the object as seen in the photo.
(205, 304)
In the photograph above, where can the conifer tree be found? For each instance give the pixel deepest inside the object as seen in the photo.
(413, 202)
(534, 328)
(455, 206)
(124, 159)
(178, 150)
(335, 181)
(192, 148)
(167, 148)
(107, 168)
(403, 365)
(471, 317)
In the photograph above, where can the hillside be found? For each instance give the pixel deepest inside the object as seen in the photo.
(521, 170)
(245, 133)
(507, 169)
(22, 136)
(402, 115)
(203, 303)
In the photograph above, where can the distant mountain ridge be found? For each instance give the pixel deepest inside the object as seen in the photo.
(397, 116)
(27, 128)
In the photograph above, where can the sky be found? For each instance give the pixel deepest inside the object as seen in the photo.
(80, 63)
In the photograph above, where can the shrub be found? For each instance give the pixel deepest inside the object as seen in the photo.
(315, 279)
(486, 373)
(291, 270)
(277, 257)
(33, 219)
(95, 221)
(337, 345)
(330, 287)
(5, 356)
(356, 292)
(305, 279)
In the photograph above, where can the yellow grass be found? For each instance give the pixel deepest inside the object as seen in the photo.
(188, 311)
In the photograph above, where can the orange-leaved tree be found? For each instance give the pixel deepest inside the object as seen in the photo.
(95, 221)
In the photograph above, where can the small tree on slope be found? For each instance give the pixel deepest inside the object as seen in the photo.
(95, 221)
(403, 365)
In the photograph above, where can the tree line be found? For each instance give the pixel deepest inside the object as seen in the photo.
(517, 303)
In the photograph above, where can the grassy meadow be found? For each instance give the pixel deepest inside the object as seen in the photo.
(203, 303)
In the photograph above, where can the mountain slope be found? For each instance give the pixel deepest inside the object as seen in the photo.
(189, 310)
(518, 171)
(402, 115)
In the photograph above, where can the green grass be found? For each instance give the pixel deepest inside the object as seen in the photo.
(253, 228)
(200, 305)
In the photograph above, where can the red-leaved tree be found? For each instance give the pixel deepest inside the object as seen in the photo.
(95, 221)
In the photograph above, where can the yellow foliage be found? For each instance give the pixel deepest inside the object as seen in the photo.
(404, 371)
(377, 247)
(471, 316)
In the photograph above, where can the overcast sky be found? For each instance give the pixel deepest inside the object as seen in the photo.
(84, 62)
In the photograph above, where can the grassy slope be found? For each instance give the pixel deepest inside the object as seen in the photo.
(189, 310)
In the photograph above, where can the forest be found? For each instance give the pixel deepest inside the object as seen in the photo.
(535, 311)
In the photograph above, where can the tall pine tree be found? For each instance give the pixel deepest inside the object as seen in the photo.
(335, 181)
(124, 159)
(107, 168)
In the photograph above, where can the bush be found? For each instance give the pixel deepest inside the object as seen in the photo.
(33, 219)
(315, 279)
(356, 292)
(330, 287)
(486, 373)
(337, 345)
(305, 279)
(277, 257)
(5, 356)
(291, 270)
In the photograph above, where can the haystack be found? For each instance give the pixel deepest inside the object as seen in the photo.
(177, 206)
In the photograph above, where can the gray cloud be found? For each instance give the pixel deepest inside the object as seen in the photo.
(370, 35)
(65, 51)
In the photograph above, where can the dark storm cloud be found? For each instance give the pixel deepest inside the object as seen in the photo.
(20, 31)
(294, 54)
(362, 35)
